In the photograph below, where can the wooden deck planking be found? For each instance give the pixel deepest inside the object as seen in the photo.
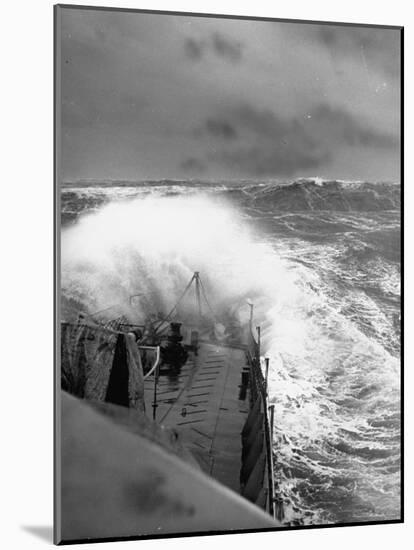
(203, 406)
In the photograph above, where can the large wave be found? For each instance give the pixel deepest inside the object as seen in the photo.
(317, 194)
(301, 195)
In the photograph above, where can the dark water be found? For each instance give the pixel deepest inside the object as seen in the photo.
(321, 260)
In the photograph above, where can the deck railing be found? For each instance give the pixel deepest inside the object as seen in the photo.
(257, 475)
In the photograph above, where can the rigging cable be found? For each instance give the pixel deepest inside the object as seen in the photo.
(175, 307)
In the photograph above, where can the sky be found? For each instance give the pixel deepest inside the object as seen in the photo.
(153, 96)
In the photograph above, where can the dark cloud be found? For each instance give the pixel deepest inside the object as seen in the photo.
(323, 123)
(193, 164)
(265, 123)
(343, 127)
(374, 47)
(220, 128)
(272, 160)
(271, 144)
(218, 45)
(226, 48)
(275, 145)
(194, 49)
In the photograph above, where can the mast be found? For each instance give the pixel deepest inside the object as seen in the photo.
(198, 293)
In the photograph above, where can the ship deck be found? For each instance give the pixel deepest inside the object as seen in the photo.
(204, 403)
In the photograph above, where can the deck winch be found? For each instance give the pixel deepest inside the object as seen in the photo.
(172, 351)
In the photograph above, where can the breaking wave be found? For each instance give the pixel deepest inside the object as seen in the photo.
(153, 246)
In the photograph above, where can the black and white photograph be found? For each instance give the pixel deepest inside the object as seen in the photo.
(228, 264)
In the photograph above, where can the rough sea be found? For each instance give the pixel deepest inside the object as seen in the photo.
(321, 262)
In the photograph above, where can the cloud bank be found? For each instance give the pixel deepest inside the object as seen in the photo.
(156, 96)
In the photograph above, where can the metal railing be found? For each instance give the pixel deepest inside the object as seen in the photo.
(155, 371)
(259, 390)
(157, 350)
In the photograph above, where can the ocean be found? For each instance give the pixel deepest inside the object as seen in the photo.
(320, 260)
